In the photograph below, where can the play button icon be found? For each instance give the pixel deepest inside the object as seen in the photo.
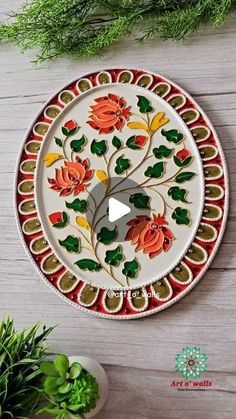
(117, 210)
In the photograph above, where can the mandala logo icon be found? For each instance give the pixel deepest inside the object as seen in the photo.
(191, 362)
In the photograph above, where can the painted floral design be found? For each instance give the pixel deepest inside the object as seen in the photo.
(191, 362)
(150, 234)
(73, 178)
(109, 113)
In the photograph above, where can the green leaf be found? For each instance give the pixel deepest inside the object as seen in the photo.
(50, 385)
(162, 151)
(177, 193)
(88, 265)
(121, 165)
(64, 222)
(181, 216)
(173, 135)
(71, 244)
(78, 145)
(48, 368)
(98, 147)
(116, 142)
(58, 141)
(140, 200)
(67, 132)
(184, 176)
(64, 388)
(155, 171)
(75, 370)
(144, 104)
(78, 205)
(131, 143)
(61, 363)
(130, 268)
(114, 257)
(184, 163)
(106, 236)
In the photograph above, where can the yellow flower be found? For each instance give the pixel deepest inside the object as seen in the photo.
(102, 176)
(137, 125)
(50, 158)
(82, 222)
(158, 121)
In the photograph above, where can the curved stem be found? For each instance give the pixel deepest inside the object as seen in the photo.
(64, 148)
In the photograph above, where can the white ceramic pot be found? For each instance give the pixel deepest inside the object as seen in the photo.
(94, 368)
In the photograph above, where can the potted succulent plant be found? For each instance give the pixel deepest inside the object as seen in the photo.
(75, 387)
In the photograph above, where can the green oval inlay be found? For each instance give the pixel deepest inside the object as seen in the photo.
(112, 303)
(176, 101)
(28, 166)
(189, 115)
(33, 147)
(32, 225)
(27, 187)
(68, 282)
(211, 212)
(144, 81)
(52, 112)
(84, 85)
(205, 232)
(39, 245)
(212, 172)
(66, 97)
(196, 254)
(41, 128)
(199, 133)
(160, 287)
(181, 273)
(51, 263)
(104, 78)
(138, 298)
(161, 89)
(88, 295)
(27, 206)
(208, 152)
(125, 77)
(213, 192)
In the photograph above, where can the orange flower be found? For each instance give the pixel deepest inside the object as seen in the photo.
(109, 113)
(150, 234)
(72, 177)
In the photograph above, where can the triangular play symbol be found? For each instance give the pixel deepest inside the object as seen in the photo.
(117, 210)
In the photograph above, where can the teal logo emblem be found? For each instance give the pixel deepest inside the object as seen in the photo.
(191, 362)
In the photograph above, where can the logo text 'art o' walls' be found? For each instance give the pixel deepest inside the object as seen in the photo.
(191, 363)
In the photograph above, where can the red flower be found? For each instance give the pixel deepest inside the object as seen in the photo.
(109, 113)
(136, 141)
(56, 217)
(183, 154)
(70, 128)
(72, 177)
(150, 234)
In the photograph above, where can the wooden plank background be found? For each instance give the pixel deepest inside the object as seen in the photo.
(139, 356)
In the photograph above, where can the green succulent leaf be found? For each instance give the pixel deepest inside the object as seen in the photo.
(173, 135)
(72, 244)
(88, 265)
(181, 216)
(75, 370)
(116, 142)
(58, 141)
(177, 193)
(61, 363)
(140, 200)
(106, 236)
(50, 385)
(98, 147)
(64, 221)
(64, 388)
(162, 151)
(130, 268)
(184, 176)
(48, 368)
(155, 171)
(121, 165)
(114, 257)
(144, 104)
(78, 205)
(184, 163)
(78, 145)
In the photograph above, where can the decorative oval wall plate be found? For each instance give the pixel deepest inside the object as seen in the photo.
(110, 128)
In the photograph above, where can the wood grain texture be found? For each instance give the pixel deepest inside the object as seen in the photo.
(139, 355)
